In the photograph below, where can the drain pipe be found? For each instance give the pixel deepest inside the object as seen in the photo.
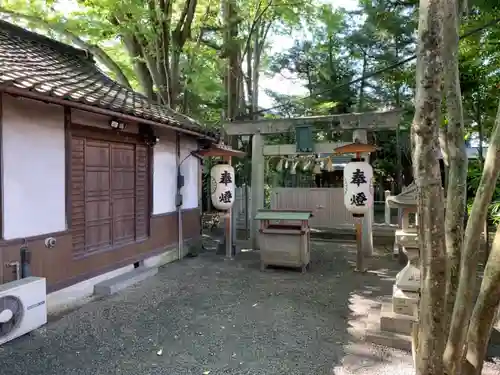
(178, 198)
(180, 185)
(16, 268)
(25, 255)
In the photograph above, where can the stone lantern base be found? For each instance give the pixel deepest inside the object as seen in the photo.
(397, 318)
(406, 290)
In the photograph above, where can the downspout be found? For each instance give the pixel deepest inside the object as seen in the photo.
(178, 200)
(25, 256)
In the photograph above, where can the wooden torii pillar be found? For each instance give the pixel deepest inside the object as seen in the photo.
(358, 123)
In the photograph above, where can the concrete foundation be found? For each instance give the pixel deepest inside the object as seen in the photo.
(114, 285)
(81, 293)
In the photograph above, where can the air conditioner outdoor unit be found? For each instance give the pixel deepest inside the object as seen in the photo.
(22, 307)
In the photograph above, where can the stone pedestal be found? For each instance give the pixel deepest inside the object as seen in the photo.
(403, 302)
(397, 318)
(407, 287)
(393, 322)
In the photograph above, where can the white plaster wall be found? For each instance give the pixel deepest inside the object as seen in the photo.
(190, 168)
(164, 177)
(33, 183)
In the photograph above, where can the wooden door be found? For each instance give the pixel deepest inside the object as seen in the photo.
(97, 179)
(122, 193)
(109, 194)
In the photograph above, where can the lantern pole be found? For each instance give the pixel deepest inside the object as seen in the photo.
(358, 149)
(229, 224)
(226, 153)
(359, 237)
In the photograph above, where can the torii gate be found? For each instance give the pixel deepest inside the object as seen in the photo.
(358, 123)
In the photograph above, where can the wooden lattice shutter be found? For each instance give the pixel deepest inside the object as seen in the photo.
(141, 192)
(78, 195)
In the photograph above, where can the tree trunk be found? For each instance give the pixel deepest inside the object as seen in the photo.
(256, 52)
(485, 312)
(457, 155)
(248, 77)
(134, 50)
(479, 121)
(462, 309)
(231, 51)
(157, 55)
(361, 99)
(175, 77)
(399, 164)
(426, 122)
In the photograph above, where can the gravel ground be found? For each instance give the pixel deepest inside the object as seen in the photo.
(206, 315)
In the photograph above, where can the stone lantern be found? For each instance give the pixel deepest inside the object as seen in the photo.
(397, 318)
(407, 286)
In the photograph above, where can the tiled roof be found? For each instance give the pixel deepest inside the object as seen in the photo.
(36, 63)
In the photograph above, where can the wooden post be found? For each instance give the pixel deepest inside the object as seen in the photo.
(367, 241)
(257, 185)
(359, 238)
(228, 221)
(246, 207)
(359, 245)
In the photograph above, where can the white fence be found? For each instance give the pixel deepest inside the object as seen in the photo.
(327, 205)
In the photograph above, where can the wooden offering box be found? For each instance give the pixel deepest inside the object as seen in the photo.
(284, 238)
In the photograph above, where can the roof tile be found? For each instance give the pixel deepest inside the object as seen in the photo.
(40, 64)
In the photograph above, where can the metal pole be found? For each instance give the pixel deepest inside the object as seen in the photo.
(179, 205)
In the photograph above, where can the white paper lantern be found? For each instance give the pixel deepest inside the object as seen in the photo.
(222, 186)
(358, 187)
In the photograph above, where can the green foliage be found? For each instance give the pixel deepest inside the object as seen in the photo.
(329, 52)
(320, 63)
(473, 178)
(381, 33)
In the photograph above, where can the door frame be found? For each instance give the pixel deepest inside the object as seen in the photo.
(106, 135)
